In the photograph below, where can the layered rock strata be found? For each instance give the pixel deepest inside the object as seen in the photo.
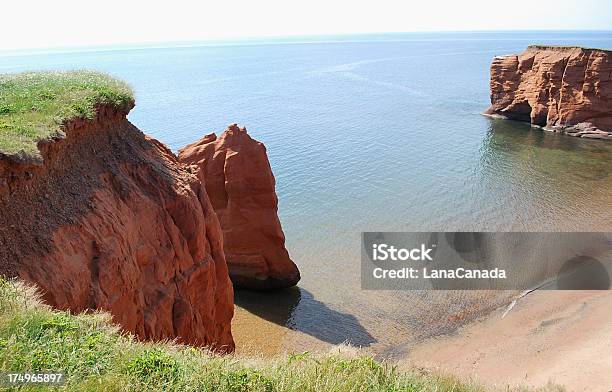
(562, 89)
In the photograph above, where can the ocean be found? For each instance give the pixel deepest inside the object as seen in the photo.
(365, 133)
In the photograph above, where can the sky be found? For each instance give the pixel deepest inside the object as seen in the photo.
(30, 24)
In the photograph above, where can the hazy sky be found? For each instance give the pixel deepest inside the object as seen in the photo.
(65, 23)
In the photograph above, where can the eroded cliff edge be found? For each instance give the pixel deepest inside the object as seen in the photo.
(241, 186)
(563, 89)
(111, 220)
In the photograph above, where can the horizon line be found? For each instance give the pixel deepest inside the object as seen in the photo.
(265, 40)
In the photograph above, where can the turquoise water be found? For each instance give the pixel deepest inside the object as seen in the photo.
(367, 133)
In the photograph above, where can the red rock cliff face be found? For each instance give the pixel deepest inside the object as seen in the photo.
(240, 184)
(111, 220)
(565, 89)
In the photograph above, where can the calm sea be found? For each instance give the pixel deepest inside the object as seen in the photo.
(365, 133)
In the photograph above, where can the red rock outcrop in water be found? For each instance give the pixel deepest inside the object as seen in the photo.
(240, 183)
(564, 89)
(110, 219)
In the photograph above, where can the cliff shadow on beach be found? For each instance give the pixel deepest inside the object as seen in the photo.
(297, 309)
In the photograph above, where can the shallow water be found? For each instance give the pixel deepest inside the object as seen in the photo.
(366, 133)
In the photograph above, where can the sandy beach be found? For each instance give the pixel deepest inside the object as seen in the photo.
(559, 337)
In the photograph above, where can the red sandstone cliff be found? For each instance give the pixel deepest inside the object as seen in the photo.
(110, 219)
(564, 89)
(240, 183)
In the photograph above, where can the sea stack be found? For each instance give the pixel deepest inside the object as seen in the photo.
(561, 89)
(239, 181)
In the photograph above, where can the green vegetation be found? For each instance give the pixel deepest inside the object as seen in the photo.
(34, 105)
(565, 47)
(94, 355)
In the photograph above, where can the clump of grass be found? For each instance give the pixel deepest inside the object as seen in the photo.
(94, 355)
(155, 364)
(33, 105)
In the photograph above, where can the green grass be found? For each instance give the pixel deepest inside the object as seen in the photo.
(565, 47)
(96, 356)
(34, 105)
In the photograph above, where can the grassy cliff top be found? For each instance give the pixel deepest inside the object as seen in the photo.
(94, 356)
(564, 47)
(33, 105)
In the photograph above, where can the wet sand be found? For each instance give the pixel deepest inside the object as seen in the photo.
(559, 336)
(294, 320)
